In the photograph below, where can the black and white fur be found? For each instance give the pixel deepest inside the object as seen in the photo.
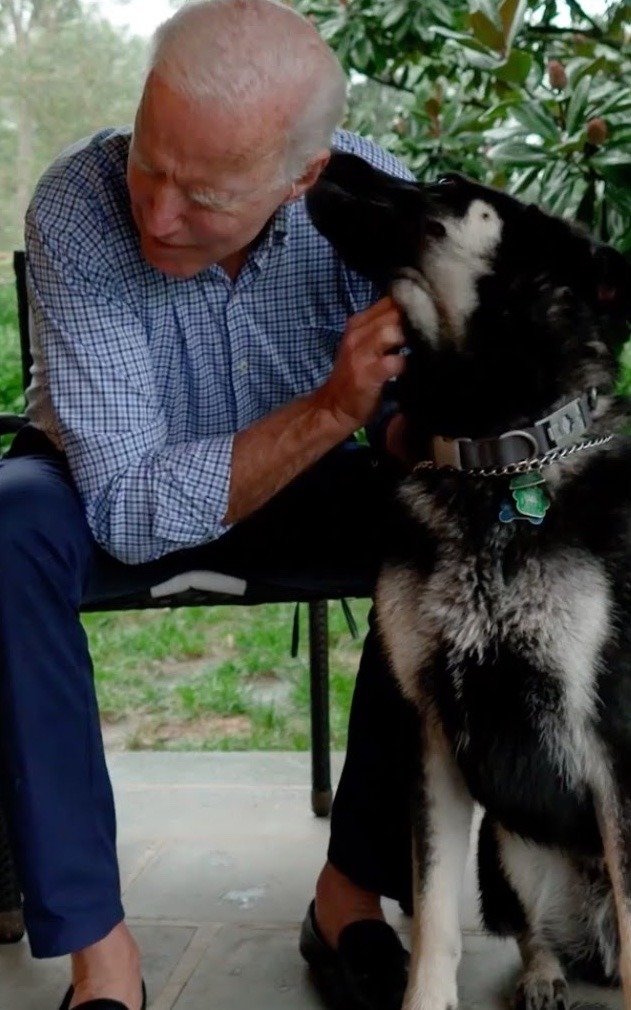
(513, 641)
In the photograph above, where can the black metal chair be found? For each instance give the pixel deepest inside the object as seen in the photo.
(316, 592)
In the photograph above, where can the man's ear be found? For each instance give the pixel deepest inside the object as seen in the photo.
(312, 172)
(373, 220)
(612, 282)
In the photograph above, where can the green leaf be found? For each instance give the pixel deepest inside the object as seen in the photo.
(613, 156)
(578, 68)
(558, 192)
(524, 180)
(536, 119)
(488, 7)
(512, 17)
(621, 136)
(395, 14)
(619, 103)
(576, 190)
(413, 75)
(486, 31)
(516, 68)
(483, 120)
(481, 62)
(461, 37)
(518, 153)
(616, 172)
(577, 105)
(362, 53)
(442, 12)
(329, 28)
(621, 198)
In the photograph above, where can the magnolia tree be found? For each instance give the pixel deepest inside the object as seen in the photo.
(530, 95)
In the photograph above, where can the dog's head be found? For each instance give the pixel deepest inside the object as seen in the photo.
(512, 311)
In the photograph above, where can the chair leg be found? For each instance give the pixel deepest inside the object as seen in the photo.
(11, 921)
(321, 793)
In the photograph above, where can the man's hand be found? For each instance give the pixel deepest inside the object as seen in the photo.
(272, 451)
(365, 361)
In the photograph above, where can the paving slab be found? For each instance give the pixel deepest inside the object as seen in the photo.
(26, 984)
(219, 854)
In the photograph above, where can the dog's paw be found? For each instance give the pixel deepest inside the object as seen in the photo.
(418, 307)
(430, 1002)
(537, 992)
(435, 992)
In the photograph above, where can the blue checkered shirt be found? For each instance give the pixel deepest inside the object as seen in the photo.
(143, 379)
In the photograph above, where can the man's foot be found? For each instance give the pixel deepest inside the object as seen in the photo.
(356, 959)
(338, 902)
(109, 969)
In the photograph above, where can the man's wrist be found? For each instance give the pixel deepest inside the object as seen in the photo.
(331, 418)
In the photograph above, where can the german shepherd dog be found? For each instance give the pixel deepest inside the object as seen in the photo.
(504, 603)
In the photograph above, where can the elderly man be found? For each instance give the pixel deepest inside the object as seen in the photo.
(201, 359)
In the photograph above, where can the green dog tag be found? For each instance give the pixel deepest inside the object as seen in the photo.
(531, 479)
(531, 501)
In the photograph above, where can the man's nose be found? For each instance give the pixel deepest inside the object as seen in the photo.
(163, 209)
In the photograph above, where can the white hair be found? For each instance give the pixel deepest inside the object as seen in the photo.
(237, 52)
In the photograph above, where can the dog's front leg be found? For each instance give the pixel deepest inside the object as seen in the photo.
(442, 828)
(614, 816)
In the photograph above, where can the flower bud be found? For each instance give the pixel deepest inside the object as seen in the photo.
(597, 131)
(557, 75)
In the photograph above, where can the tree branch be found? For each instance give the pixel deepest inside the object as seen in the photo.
(388, 82)
(578, 11)
(545, 32)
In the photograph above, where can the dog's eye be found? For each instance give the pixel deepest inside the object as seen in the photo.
(446, 180)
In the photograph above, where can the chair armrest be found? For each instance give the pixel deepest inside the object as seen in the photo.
(10, 423)
(204, 581)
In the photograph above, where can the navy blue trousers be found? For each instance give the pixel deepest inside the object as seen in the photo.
(55, 784)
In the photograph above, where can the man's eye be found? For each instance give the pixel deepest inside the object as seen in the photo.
(209, 203)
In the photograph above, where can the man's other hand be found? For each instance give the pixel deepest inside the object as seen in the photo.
(366, 359)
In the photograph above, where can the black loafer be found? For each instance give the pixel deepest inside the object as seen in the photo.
(101, 1004)
(368, 971)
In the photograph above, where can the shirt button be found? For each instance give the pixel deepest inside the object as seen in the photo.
(243, 366)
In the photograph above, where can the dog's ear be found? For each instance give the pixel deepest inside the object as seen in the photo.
(599, 272)
(373, 220)
(612, 281)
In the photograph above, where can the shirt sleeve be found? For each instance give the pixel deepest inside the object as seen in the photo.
(143, 496)
(375, 155)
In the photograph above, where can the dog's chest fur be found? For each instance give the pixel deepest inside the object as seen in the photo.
(509, 660)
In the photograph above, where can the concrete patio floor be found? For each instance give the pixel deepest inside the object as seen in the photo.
(219, 853)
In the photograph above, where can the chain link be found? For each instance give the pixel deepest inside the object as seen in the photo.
(524, 465)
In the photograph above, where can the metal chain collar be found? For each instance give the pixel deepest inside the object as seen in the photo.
(524, 465)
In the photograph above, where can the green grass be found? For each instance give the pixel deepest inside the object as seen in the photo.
(219, 678)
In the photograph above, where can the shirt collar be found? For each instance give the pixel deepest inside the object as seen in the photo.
(281, 222)
(277, 233)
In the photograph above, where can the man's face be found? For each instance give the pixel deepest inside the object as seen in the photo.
(202, 185)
